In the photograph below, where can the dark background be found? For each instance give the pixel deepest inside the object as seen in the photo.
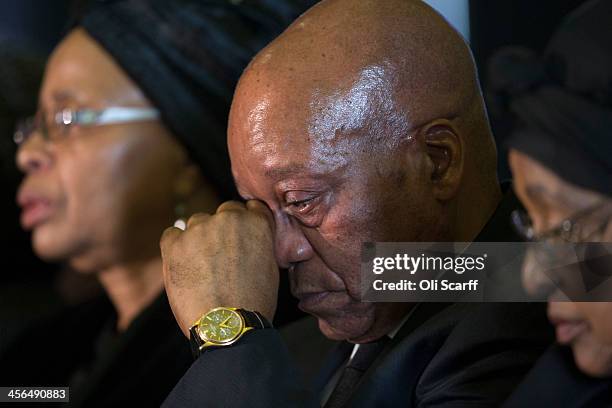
(29, 29)
(499, 23)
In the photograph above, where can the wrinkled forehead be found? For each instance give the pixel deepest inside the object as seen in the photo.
(315, 122)
(272, 140)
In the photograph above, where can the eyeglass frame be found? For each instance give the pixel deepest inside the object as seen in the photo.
(112, 115)
(563, 230)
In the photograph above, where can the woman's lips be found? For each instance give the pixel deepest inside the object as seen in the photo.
(34, 211)
(568, 330)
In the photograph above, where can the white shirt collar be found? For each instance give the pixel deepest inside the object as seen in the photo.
(391, 334)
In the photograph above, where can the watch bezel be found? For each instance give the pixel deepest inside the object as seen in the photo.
(207, 341)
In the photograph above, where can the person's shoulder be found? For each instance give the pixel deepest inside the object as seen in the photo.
(486, 346)
(498, 319)
(480, 320)
(308, 347)
(556, 381)
(489, 327)
(60, 338)
(84, 318)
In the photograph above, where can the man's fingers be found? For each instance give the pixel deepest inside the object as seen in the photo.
(231, 206)
(256, 205)
(196, 219)
(168, 237)
(260, 208)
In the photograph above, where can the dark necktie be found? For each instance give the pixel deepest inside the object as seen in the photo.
(353, 372)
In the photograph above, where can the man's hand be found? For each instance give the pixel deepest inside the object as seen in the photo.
(226, 259)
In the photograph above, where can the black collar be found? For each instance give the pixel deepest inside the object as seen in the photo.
(499, 227)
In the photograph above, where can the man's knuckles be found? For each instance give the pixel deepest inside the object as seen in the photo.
(241, 220)
(231, 206)
(169, 236)
(197, 219)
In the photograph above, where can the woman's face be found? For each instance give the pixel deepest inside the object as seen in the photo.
(585, 326)
(100, 195)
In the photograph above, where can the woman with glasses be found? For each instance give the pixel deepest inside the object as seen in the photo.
(129, 137)
(561, 159)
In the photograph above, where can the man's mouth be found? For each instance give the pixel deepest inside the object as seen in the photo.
(314, 301)
(311, 298)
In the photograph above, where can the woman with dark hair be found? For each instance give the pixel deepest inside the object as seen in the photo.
(129, 137)
(560, 105)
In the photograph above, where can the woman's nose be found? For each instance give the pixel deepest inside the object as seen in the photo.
(536, 281)
(33, 154)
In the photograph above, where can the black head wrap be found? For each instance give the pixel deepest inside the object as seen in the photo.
(187, 56)
(560, 105)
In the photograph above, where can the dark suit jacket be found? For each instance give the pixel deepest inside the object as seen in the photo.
(556, 382)
(77, 348)
(445, 355)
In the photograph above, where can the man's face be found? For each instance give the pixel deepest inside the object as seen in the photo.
(320, 163)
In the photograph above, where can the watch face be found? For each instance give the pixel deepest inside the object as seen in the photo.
(221, 326)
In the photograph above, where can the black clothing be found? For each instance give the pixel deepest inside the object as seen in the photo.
(80, 348)
(459, 355)
(444, 355)
(560, 105)
(354, 370)
(307, 346)
(555, 381)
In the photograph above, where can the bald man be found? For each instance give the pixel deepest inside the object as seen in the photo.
(363, 122)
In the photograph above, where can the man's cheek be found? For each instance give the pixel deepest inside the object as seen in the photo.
(345, 260)
(344, 263)
(353, 284)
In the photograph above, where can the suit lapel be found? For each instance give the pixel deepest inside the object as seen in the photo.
(421, 313)
(336, 357)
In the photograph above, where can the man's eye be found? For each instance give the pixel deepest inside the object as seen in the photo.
(302, 205)
(308, 208)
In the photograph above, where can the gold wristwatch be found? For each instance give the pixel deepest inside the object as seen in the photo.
(222, 327)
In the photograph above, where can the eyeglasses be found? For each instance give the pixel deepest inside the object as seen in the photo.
(57, 126)
(568, 243)
(570, 230)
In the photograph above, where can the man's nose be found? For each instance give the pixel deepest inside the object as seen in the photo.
(291, 245)
(33, 155)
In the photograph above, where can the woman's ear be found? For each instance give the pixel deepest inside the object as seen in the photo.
(444, 148)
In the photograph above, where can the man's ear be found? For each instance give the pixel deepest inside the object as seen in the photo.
(444, 148)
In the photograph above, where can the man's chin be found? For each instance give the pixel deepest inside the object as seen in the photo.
(340, 316)
(340, 329)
